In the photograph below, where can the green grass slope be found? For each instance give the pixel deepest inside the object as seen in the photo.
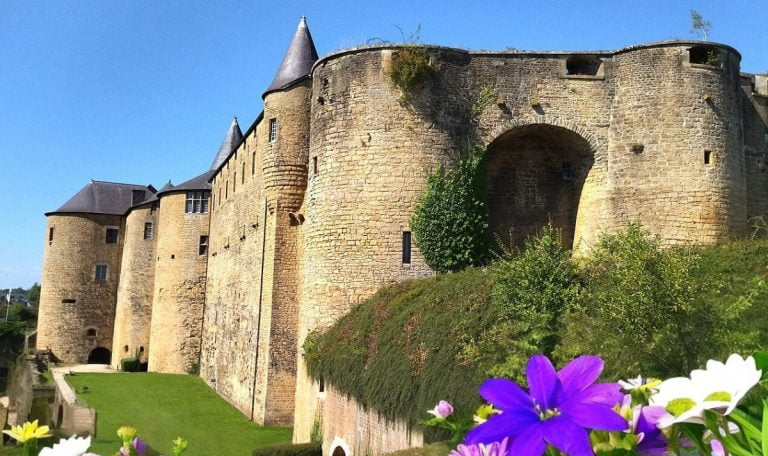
(163, 407)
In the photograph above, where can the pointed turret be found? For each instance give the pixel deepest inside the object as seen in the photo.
(298, 60)
(233, 138)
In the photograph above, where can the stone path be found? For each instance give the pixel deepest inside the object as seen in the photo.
(67, 393)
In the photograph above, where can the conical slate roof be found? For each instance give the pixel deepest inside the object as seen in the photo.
(231, 140)
(110, 198)
(298, 60)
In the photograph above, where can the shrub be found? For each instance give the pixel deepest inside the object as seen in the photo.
(303, 449)
(530, 293)
(643, 309)
(130, 364)
(450, 223)
(410, 66)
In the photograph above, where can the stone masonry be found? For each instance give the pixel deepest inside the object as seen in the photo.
(310, 207)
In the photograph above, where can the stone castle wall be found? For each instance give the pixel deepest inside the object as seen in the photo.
(179, 289)
(134, 293)
(72, 302)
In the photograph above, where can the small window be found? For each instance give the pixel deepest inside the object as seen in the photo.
(273, 129)
(101, 273)
(707, 157)
(637, 149)
(226, 189)
(68, 301)
(253, 163)
(137, 196)
(406, 247)
(197, 202)
(583, 65)
(203, 249)
(321, 386)
(50, 235)
(148, 230)
(314, 166)
(112, 235)
(704, 55)
(567, 170)
(234, 181)
(125, 348)
(90, 332)
(153, 208)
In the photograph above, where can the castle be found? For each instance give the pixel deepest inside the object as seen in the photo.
(307, 212)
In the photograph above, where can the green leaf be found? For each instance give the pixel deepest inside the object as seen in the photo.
(764, 437)
(761, 361)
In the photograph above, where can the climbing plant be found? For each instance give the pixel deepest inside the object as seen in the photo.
(450, 223)
(410, 66)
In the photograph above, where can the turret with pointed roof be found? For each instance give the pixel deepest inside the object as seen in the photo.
(231, 140)
(298, 60)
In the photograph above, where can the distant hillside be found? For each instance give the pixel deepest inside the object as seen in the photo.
(404, 349)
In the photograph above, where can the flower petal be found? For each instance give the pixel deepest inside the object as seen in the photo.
(504, 394)
(529, 444)
(542, 381)
(567, 436)
(579, 374)
(595, 416)
(512, 422)
(608, 394)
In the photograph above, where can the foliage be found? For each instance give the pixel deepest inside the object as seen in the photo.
(644, 307)
(303, 449)
(435, 449)
(33, 294)
(699, 25)
(450, 223)
(531, 290)
(410, 67)
(486, 97)
(165, 406)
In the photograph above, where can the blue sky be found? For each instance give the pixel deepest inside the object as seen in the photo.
(143, 91)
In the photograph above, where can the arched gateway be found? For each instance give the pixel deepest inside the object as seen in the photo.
(535, 175)
(100, 355)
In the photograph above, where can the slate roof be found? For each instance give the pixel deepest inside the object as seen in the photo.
(99, 197)
(196, 183)
(298, 60)
(233, 138)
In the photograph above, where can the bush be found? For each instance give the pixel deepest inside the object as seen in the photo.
(410, 66)
(450, 222)
(644, 309)
(303, 449)
(531, 291)
(131, 364)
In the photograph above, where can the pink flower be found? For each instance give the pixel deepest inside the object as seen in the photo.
(717, 448)
(442, 410)
(479, 449)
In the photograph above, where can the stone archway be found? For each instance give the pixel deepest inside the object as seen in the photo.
(100, 355)
(535, 175)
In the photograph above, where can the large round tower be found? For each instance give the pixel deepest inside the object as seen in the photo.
(81, 271)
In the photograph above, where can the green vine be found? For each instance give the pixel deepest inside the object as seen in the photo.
(486, 98)
(410, 67)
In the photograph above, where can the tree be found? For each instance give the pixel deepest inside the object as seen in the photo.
(699, 25)
(33, 294)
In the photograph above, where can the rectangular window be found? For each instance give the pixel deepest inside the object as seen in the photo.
(314, 166)
(707, 157)
(234, 181)
(253, 163)
(226, 189)
(406, 247)
(112, 235)
(203, 249)
(147, 230)
(273, 129)
(242, 176)
(101, 273)
(50, 235)
(197, 202)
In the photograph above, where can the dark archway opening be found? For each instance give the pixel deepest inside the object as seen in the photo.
(100, 355)
(339, 452)
(535, 174)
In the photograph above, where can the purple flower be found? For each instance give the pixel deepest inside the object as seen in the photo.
(558, 410)
(651, 441)
(717, 448)
(140, 446)
(442, 410)
(478, 449)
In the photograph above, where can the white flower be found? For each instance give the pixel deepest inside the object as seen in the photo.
(718, 387)
(73, 446)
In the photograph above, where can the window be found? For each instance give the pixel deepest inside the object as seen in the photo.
(197, 202)
(253, 163)
(704, 55)
(147, 230)
(321, 386)
(242, 176)
(50, 235)
(406, 247)
(707, 157)
(203, 249)
(137, 196)
(226, 189)
(112, 235)
(153, 207)
(314, 166)
(273, 129)
(101, 273)
(234, 181)
(583, 65)
(567, 170)
(90, 332)
(68, 301)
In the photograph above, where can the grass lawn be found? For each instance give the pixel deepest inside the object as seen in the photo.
(163, 407)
